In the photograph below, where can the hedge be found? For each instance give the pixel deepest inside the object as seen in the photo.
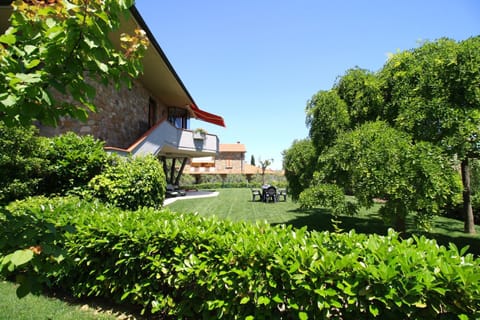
(130, 183)
(186, 266)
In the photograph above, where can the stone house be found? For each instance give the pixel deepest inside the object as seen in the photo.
(152, 117)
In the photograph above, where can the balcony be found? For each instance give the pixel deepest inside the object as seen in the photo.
(166, 140)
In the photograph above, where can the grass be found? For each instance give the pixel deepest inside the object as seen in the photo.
(237, 205)
(41, 307)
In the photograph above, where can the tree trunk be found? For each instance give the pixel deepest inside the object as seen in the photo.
(469, 225)
(401, 225)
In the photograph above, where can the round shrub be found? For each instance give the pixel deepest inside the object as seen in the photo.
(131, 183)
(22, 162)
(74, 161)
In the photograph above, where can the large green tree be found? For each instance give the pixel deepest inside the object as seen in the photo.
(54, 46)
(433, 93)
(378, 161)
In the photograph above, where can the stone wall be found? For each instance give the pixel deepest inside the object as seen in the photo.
(230, 160)
(122, 116)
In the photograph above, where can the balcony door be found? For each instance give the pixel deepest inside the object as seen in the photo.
(179, 117)
(152, 113)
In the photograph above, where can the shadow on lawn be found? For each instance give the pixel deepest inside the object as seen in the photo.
(321, 220)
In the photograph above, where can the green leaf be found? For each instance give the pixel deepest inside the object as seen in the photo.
(20, 257)
(54, 31)
(302, 315)
(28, 77)
(264, 300)
(9, 101)
(90, 43)
(102, 66)
(29, 49)
(9, 39)
(244, 300)
(374, 310)
(125, 295)
(32, 64)
(46, 97)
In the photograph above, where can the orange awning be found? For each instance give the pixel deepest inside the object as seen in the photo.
(207, 116)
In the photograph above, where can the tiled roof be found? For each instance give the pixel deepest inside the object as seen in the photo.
(232, 147)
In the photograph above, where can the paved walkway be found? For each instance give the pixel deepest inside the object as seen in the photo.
(191, 195)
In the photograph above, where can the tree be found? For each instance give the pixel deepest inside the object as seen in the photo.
(327, 116)
(432, 92)
(56, 49)
(360, 89)
(378, 161)
(252, 160)
(264, 165)
(299, 162)
(53, 47)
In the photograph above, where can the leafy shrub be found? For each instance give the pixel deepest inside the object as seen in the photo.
(131, 183)
(74, 161)
(32, 242)
(22, 163)
(326, 196)
(32, 165)
(186, 266)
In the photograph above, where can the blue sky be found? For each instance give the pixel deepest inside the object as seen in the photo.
(257, 63)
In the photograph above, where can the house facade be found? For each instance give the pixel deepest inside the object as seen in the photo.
(151, 117)
(229, 160)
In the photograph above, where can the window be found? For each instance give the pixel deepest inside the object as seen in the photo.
(228, 164)
(152, 113)
(179, 117)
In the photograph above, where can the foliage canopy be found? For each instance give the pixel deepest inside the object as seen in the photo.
(51, 49)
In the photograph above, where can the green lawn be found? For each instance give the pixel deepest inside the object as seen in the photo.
(237, 205)
(43, 308)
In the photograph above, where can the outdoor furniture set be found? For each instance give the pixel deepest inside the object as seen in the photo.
(269, 193)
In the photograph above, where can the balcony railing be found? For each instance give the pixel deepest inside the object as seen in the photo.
(167, 140)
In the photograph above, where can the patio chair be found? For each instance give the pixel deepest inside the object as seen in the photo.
(282, 193)
(170, 191)
(271, 194)
(256, 193)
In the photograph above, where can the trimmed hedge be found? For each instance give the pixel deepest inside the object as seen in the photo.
(228, 185)
(187, 266)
